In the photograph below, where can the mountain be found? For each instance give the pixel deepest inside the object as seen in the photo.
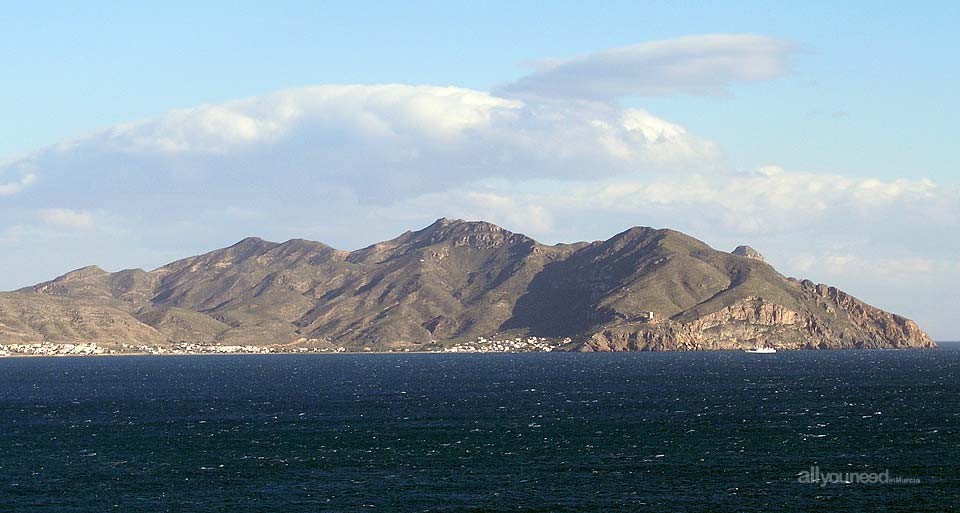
(643, 289)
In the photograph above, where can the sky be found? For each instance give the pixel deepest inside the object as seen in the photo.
(819, 133)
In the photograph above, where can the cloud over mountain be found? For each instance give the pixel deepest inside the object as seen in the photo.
(380, 143)
(552, 154)
(413, 152)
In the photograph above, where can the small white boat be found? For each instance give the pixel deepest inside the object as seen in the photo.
(764, 350)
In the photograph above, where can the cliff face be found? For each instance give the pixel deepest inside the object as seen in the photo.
(643, 289)
(753, 323)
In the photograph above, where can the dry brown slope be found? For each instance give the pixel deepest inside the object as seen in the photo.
(466, 279)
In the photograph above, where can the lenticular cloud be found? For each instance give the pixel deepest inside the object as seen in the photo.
(696, 65)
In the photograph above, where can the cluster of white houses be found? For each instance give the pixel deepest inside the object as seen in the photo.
(47, 349)
(515, 345)
(190, 348)
(90, 349)
(480, 345)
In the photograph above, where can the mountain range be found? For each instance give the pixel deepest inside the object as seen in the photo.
(642, 289)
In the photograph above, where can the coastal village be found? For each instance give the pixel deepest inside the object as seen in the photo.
(515, 345)
(480, 345)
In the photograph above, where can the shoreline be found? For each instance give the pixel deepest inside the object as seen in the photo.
(336, 353)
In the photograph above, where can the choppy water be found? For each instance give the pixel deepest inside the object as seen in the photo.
(445, 433)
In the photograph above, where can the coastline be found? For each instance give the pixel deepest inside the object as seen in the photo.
(954, 344)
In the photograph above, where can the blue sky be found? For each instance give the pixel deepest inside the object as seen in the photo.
(76, 67)
(860, 118)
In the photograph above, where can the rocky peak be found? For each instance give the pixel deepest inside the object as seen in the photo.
(450, 233)
(246, 248)
(251, 242)
(637, 232)
(643, 239)
(300, 251)
(476, 234)
(629, 240)
(62, 285)
(748, 252)
(83, 273)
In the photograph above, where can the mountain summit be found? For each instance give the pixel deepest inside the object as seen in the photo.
(747, 251)
(642, 289)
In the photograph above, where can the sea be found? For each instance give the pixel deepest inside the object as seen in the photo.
(796, 431)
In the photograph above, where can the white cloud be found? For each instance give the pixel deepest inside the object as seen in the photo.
(380, 143)
(385, 113)
(319, 155)
(769, 199)
(905, 269)
(11, 188)
(68, 219)
(880, 268)
(699, 65)
(500, 208)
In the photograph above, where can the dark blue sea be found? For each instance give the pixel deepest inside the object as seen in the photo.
(666, 432)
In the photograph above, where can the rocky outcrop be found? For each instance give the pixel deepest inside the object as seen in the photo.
(747, 252)
(868, 325)
(851, 324)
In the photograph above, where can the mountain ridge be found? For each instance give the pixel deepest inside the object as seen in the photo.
(642, 289)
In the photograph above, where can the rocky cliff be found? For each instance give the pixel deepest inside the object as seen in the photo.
(643, 289)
